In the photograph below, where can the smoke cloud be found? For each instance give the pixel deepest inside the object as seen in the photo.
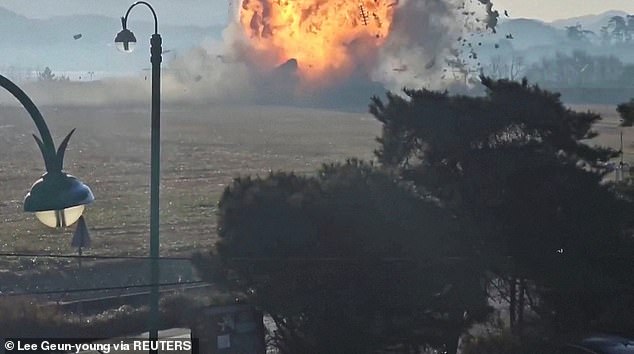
(418, 51)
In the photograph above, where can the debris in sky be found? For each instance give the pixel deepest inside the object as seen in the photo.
(492, 15)
(77, 36)
(497, 46)
(401, 68)
(378, 21)
(364, 14)
(506, 13)
(509, 36)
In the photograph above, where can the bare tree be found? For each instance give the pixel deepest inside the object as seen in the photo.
(517, 68)
(511, 68)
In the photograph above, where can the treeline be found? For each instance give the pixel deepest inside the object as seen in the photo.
(577, 69)
(580, 69)
(618, 30)
(473, 199)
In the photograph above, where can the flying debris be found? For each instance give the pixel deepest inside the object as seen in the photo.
(225, 59)
(509, 36)
(401, 68)
(492, 15)
(378, 20)
(496, 46)
(506, 13)
(77, 36)
(364, 14)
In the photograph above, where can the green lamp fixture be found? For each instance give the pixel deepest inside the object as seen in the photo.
(57, 198)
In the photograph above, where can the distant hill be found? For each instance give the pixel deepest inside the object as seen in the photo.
(50, 42)
(37, 43)
(533, 39)
(590, 22)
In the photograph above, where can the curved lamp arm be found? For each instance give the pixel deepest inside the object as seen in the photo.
(124, 20)
(52, 159)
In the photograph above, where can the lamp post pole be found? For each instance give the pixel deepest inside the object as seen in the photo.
(155, 181)
(126, 39)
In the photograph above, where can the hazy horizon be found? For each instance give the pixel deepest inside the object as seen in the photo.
(211, 13)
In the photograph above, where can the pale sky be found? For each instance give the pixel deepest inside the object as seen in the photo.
(549, 10)
(214, 12)
(184, 12)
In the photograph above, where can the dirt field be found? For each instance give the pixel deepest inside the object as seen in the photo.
(609, 131)
(203, 149)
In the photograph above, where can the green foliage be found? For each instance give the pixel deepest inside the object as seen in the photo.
(348, 255)
(394, 257)
(515, 166)
(626, 111)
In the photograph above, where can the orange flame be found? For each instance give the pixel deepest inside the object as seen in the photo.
(326, 37)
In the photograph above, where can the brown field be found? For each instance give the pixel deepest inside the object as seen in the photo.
(609, 130)
(203, 149)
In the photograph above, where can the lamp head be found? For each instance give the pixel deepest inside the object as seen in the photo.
(58, 199)
(125, 39)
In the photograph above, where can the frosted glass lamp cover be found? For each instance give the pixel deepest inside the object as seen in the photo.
(125, 47)
(58, 199)
(60, 218)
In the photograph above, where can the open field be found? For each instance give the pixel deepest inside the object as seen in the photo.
(609, 131)
(203, 149)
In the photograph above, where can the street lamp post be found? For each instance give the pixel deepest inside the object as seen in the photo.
(57, 198)
(125, 42)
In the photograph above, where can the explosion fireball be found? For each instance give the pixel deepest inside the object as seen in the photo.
(326, 37)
